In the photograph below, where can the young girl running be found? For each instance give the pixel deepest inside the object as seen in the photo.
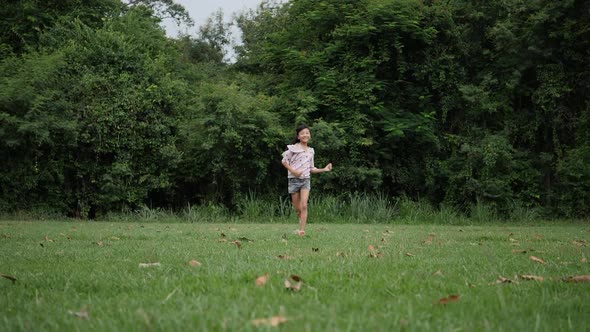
(298, 160)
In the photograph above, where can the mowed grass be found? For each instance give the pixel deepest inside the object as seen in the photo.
(86, 276)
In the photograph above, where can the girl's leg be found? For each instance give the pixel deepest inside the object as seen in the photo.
(296, 204)
(303, 198)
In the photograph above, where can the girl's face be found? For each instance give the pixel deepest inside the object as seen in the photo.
(304, 135)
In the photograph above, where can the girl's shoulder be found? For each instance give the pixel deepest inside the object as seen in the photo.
(296, 148)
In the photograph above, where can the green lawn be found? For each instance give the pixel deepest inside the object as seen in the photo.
(86, 276)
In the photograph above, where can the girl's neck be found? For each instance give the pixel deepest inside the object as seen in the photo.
(303, 145)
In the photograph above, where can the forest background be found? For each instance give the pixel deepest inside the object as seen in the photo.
(457, 104)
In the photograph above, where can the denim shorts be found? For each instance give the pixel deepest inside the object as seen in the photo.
(296, 184)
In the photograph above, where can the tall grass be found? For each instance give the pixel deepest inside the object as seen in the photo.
(348, 208)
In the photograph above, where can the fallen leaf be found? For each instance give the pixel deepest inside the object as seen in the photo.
(584, 260)
(170, 295)
(245, 239)
(503, 280)
(48, 239)
(284, 257)
(272, 321)
(517, 251)
(114, 238)
(11, 278)
(194, 262)
(438, 273)
(450, 298)
(531, 277)
(149, 264)
(539, 236)
(99, 243)
(375, 255)
(581, 243)
(537, 259)
(371, 247)
(409, 254)
(260, 281)
(284, 241)
(340, 254)
(222, 240)
(296, 287)
(429, 239)
(454, 298)
(583, 278)
(82, 314)
(237, 243)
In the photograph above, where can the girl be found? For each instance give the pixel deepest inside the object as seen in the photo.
(298, 160)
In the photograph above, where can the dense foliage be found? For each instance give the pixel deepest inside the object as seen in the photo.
(459, 103)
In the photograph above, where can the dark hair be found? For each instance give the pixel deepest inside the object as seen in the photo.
(297, 130)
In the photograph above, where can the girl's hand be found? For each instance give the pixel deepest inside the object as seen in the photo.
(328, 167)
(297, 173)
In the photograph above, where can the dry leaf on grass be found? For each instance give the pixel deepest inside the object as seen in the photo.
(518, 251)
(260, 281)
(375, 255)
(537, 259)
(11, 278)
(531, 277)
(450, 298)
(503, 280)
(584, 260)
(584, 278)
(272, 321)
(581, 243)
(294, 284)
(82, 314)
(194, 263)
(48, 239)
(149, 264)
(296, 287)
(429, 239)
(371, 247)
(409, 254)
(170, 295)
(237, 243)
(438, 273)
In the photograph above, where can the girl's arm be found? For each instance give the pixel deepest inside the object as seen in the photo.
(321, 170)
(291, 169)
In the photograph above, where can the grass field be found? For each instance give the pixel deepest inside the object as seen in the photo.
(88, 276)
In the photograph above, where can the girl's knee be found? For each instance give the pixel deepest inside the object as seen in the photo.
(303, 206)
